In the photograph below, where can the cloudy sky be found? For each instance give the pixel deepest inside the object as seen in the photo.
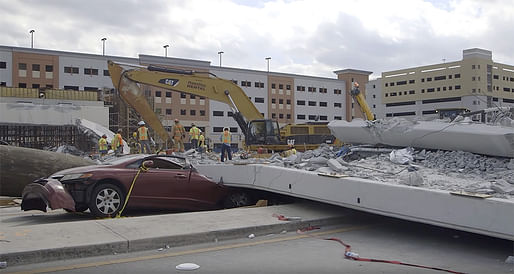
(311, 37)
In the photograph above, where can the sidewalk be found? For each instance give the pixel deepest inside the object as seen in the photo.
(45, 242)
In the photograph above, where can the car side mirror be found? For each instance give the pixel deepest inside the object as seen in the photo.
(147, 164)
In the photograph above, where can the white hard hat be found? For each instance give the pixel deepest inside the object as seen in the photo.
(141, 123)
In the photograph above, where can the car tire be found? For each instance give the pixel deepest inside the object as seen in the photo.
(106, 200)
(238, 199)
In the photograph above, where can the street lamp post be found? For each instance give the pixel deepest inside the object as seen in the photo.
(32, 38)
(267, 59)
(103, 45)
(165, 50)
(220, 53)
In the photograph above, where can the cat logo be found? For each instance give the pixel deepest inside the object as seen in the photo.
(169, 81)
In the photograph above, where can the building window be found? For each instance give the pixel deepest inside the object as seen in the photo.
(457, 87)
(313, 117)
(35, 85)
(71, 87)
(338, 118)
(410, 82)
(3, 84)
(429, 79)
(90, 88)
(439, 78)
(202, 112)
(337, 105)
(217, 129)
(312, 103)
(322, 104)
(72, 70)
(3, 65)
(300, 102)
(300, 88)
(192, 112)
(168, 94)
(281, 116)
(273, 85)
(457, 75)
(217, 113)
(300, 117)
(106, 72)
(288, 116)
(36, 67)
(158, 93)
(22, 85)
(273, 115)
(280, 86)
(323, 118)
(273, 100)
(259, 100)
(288, 87)
(281, 101)
(22, 66)
(192, 96)
(337, 91)
(230, 114)
(168, 111)
(288, 101)
(234, 81)
(183, 112)
(158, 111)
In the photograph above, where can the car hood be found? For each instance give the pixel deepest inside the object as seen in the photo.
(81, 169)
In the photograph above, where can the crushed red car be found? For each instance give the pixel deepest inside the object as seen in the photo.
(162, 182)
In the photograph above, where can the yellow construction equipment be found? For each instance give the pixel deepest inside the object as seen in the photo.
(361, 101)
(259, 133)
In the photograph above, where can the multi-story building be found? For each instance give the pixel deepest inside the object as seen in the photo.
(288, 98)
(474, 83)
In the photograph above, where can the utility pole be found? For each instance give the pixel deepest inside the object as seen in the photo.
(103, 46)
(220, 53)
(165, 50)
(32, 38)
(267, 59)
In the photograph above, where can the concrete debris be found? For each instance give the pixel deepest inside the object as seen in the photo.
(509, 260)
(187, 266)
(401, 156)
(251, 236)
(433, 169)
(411, 178)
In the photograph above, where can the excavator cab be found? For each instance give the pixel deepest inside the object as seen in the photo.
(262, 132)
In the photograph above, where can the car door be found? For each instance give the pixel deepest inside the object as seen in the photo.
(162, 186)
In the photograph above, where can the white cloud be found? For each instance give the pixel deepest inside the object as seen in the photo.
(313, 37)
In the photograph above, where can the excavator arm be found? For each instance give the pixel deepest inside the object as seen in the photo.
(127, 79)
(361, 101)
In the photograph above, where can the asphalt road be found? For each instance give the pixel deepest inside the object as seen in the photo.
(291, 252)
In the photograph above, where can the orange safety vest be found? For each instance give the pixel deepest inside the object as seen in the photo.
(178, 131)
(226, 137)
(195, 132)
(102, 144)
(143, 133)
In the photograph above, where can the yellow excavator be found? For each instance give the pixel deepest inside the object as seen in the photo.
(260, 134)
(361, 101)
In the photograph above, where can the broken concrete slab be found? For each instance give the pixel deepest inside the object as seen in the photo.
(473, 137)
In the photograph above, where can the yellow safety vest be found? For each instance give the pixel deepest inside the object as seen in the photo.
(102, 144)
(118, 140)
(226, 137)
(143, 133)
(195, 132)
(201, 141)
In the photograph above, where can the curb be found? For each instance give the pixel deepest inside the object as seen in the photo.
(117, 247)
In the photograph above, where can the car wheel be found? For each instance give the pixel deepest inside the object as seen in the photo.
(106, 200)
(78, 208)
(238, 199)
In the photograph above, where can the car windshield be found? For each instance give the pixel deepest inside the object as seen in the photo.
(119, 160)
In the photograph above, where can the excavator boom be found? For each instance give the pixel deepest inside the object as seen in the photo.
(127, 80)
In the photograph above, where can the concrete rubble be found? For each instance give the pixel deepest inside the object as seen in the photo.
(432, 169)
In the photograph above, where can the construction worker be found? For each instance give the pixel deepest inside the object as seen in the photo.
(225, 144)
(117, 143)
(194, 134)
(135, 147)
(102, 145)
(201, 143)
(144, 141)
(179, 133)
